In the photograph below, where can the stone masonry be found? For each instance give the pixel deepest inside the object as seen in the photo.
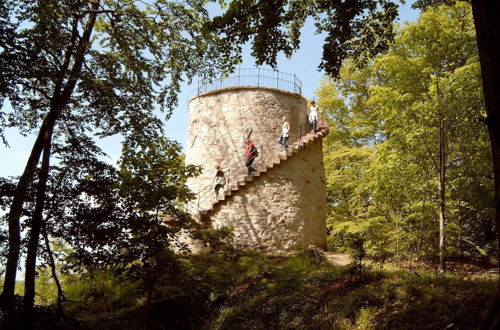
(284, 208)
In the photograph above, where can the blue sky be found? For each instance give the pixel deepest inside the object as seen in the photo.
(303, 63)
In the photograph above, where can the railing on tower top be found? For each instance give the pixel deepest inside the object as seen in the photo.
(254, 77)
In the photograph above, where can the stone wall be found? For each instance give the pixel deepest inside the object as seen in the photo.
(284, 209)
(219, 122)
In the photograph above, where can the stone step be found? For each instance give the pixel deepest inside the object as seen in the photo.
(282, 156)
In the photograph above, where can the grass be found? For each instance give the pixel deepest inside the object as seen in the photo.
(253, 291)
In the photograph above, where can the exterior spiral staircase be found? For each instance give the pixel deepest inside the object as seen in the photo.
(284, 156)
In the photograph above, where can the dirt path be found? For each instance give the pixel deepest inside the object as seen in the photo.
(338, 259)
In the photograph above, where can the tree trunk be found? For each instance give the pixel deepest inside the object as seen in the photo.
(421, 235)
(60, 292)
(148, 317)
(487, 25)
(442, 199)
(15, 213)
(36, 225)
(461, 216)
(393, 218)
(61, 96)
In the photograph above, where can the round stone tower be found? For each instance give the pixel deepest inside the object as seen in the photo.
(282, 206)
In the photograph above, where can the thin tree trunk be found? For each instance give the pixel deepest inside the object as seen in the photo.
(392, 216)
(442, 199)
(421, 236)
(148, 316)
(461, 215)
(60, 99)
(36, 225)
(60, 292)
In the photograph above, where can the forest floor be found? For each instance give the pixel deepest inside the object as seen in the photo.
(338, 259)
(310, 290)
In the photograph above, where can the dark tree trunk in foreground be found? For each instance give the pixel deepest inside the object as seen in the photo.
(15, 214)
(486, 14)
(486, 20)
(63, 89)
(36, 225)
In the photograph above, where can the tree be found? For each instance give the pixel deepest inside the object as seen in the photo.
(112, 219)
(436, 53)
(96, 68)
(355, 28)
(416, 110)
(487, 26)
(275, 26)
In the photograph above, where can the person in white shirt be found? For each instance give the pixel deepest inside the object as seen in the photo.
(285, 127)
(313, 116)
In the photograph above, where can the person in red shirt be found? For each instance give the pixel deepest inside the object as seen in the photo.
(251, 153)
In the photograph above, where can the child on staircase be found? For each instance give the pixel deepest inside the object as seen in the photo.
(251, 153)
(285, 128)
(219, 180)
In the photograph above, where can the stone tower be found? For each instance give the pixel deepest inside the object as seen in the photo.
(282, 206)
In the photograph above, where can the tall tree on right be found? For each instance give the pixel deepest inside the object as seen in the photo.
(406, 150)
(486, 13)
(487, 24)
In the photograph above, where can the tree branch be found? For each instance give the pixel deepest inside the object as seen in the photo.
(60, 292)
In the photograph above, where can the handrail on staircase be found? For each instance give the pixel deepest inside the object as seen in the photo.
(295, 135)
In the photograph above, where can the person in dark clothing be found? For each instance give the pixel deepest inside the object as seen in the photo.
(251, 153)
(219, 180)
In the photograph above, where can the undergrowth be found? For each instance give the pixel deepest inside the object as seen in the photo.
(253, 291)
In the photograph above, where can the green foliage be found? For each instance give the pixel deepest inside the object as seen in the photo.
(358, 28)
(226, 290)
(46, 289)
(110, 218)
(153, 174)
(382, 154)
(138, 56)
(216, 239)
(307, 259)
(322, 297)
(79, 70)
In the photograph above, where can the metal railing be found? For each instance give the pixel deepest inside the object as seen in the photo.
(230, 171)
(258, 77)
